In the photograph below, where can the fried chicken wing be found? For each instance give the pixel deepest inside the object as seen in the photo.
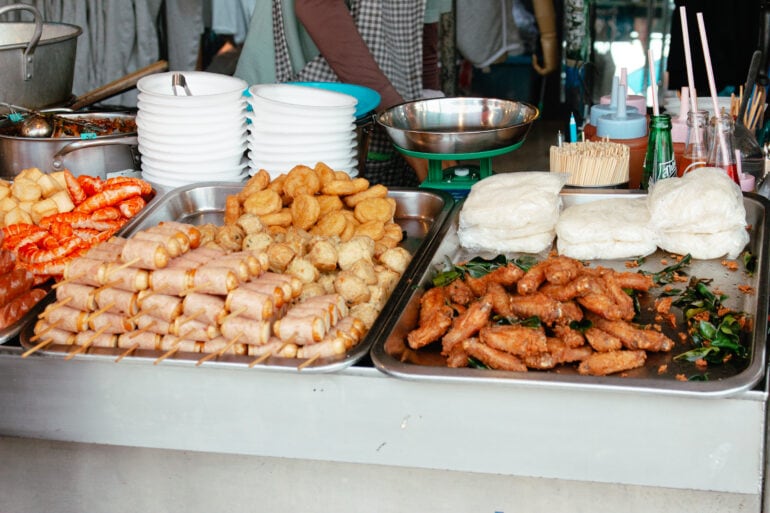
(618, 295)
(570, 311)
(560, 270)
(459, 292)
(572, 338)
(492, 358)
(557, 353)
(467, 324)
(602, 364)
(603, 305)
(515, 339)
(457, 357)
(532, 279)
(564, 292)
(500, 299)
(432, 300)
(430, 331)
(536, 305)
(633, 337)
(635, 281)
(602, 341)
(506, 276)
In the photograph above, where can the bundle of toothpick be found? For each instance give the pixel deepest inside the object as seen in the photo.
(591, 163)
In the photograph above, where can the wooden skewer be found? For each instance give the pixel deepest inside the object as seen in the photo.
(267, 355)
(173, 350)
(127, 352)
(55, 306)
(234, 313)
(194, 289)
(142, 329)
(123, 265)
(40, 335)
(192, 317)
(68, 280)
(38, 347)
(308, 362)
(84, 347)
(99, 312)
(106, 286)
(217, 354)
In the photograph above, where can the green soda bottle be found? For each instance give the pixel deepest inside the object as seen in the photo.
(659, 162)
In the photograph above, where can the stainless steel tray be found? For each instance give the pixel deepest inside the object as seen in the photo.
(422, 213)
(391, 355)
(7, 334)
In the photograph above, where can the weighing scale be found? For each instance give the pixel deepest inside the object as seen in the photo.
(457, 180)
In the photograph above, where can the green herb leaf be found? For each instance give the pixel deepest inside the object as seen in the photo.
(475, 364)
(581, 326)
(749, 262)
(666, 275)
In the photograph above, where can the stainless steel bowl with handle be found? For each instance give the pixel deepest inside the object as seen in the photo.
(458, 125)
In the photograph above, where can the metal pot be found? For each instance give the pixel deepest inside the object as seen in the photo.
(100, 156)
(37, 59)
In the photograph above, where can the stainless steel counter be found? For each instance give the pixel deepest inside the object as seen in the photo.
(360, 416)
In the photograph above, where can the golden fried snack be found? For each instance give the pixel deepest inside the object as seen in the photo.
(232, 209)
(279, 256)
(329, 203)
(373, 229)
(515, 339)
(282, 217)
(388, 242)
(357, 248)
(208, 232)
(396, 259)
(230, 237)
(351, 287)
(394, 231)
(342, 175)
(492, 358)
(374, 209)
(601, 341)
(256, 183)
(275, 230)
(305, 211)
(323, 255)
(257, 241)
(276, 184)
(375, 191)
(250, 223)
(467, 324)
(345, 187)
(349, 231)
(324, 172)
(602, 364)
(331, 224)
(365, 271)
(303, 270)
(263, 202)
(301, 180)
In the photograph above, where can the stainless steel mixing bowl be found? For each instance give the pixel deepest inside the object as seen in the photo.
(458, 125)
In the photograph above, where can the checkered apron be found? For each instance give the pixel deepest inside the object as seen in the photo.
(392, 29)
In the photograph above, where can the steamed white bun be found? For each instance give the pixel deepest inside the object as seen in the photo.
(613, 228)
(511, 212)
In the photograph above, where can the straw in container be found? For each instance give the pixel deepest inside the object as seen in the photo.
(591, 163)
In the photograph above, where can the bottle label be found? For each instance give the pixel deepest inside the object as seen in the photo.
(663, 170)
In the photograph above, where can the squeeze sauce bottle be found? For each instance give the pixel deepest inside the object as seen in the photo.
(629, 128)
(601, 109)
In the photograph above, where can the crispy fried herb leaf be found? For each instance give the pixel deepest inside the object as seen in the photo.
(478, 267)
(749, 262)
(581, 326)
(529, 322)
(475, 364)
(666, 275)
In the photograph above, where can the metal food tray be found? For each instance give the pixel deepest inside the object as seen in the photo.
(422, 214)
(391, 355)
(7, 334)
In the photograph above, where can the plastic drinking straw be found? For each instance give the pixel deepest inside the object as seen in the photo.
(712, 85)
(688, 61)
(653, 82)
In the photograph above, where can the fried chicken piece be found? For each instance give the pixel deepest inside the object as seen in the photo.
(432, 330)
(616, 292)
(635, 281)
(459, 292)
(572, 338)
(602, 364)
(560, 270)
(581, 285)
(603, 305)
(500, 299)
(506, 276)
(570, 311)
(515, 339)
(602, 341)
(432, 300)
(493, 358)
(633, 337)
(536, 305)
(557, 353)
(457, 357)
(532, 279)
(467, 324)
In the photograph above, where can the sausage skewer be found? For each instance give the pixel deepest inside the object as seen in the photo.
(173, 350)
(217, 354)
(85, 345)
(55, 306)
(308, 362)
(37, 347)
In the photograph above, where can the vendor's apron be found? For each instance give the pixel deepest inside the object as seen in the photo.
(392, 29)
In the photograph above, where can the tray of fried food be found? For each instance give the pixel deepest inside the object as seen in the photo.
(544, 320)
(48, 219)
(295, 273)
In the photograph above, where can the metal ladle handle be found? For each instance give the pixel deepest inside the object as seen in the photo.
(58, 158)
(28, 57)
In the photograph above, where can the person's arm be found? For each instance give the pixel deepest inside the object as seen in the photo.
(330, 25)
(545, 15)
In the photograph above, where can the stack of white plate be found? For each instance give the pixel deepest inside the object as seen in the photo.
(189, 139)
(295, 124)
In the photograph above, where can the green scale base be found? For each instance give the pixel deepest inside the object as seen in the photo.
(458, 180)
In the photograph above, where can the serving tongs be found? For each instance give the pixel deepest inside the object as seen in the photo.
(39, 124)
(178, 80)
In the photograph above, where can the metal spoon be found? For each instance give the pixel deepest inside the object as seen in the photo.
(177, 79)
(35, 126)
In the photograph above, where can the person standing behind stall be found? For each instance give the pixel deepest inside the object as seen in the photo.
(373, 43)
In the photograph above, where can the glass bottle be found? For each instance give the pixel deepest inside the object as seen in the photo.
(696, 147)
(722, 145)
(659, 160)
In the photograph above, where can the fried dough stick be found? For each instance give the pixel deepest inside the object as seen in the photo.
(467, 324)
(514, 339)
(602, 364)
(633, 337)
(557, 353)
(506, 276)
(602, 341)
(493, 358)
(435, 319)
